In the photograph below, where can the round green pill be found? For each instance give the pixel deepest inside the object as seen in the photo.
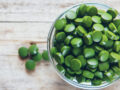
(97, 36)
(68, 59)
(88, 74)
(103, 55)
(89, 52)
(33, 49)
(117, 46)
(113, 28)
(78, 72)
(106, 17)
(88, 39)
(104, 66)
(76, 51)
(113, 12)
(71, 15)
(87, 21)
(60, 36)
(60, 68)
(92, 63)
(96, 19)
(30, 65)
(108, 44)
(99, 74)
(116, 22)
(111, 35)
(116, 70)
(65, 50)
(98, 48)
(45, 55)
(69, 28)
(78, 21)
(91, 10)
(23, 52)
(37, 57)
(114, 57)
(80, 79)
(82, 10)
(82, 59)
(59, 58)
(76, 42)
(75, 64)
(118, 29)
(100, 12)
(81, 30)
(92, 69)
(104, 39)
(68, 39)
(60, 24)
(71, 72)
(98, 27)
(53, 51)
(109, 74)
(96, 82)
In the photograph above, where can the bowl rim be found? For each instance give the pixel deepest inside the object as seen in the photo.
(70, 82)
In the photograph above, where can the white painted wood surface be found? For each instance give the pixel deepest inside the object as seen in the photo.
(26, 21)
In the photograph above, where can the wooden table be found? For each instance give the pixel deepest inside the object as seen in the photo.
(23, 22)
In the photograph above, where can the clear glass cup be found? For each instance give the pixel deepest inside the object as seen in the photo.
(53, 62)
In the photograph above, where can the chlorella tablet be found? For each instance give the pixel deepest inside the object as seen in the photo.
(88, 39)
(75, 64)
(69, 28)
(104, 66)
(23, 52)
(92, 63)
(71, 15)
(88, 74)
(106, 17)
(37, 57)
(45, 55)
(59, 58)
(60, 24)
(96, 19)
(68, 60)
(91, 10)
(33, 49)
(98, 27)
(97, 36)
(89, 52)
(103, 55)
(68, 39)
(87, 21)
(76, 42)
(60, 68)
(113, 12)
(30, 65)
(81, 11)
(60, 36)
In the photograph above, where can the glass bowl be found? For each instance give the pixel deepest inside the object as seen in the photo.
(53, 62)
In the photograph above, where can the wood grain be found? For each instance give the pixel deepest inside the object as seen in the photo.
(39, 10)
(23, 22)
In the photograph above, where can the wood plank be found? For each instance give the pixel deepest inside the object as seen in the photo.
(10, 48)
(24, 31)
(37, 10)
(13, 76)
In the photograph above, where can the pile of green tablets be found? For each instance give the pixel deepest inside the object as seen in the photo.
(86, 46)
(34, 54)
